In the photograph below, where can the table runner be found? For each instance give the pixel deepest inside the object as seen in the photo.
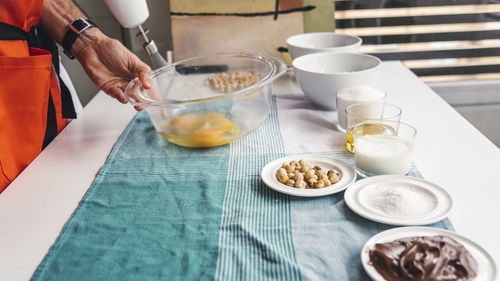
(157, 211)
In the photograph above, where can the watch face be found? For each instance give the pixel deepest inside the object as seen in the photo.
(75, 28)
(80, 24)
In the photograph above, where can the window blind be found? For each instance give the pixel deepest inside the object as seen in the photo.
(439, 40)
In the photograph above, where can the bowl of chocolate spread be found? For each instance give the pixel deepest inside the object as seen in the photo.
(430, 258)
(426, 253)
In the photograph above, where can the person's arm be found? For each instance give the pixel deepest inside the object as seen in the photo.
(108, 63)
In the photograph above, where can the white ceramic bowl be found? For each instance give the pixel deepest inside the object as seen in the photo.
(308, 43)
(321, 75)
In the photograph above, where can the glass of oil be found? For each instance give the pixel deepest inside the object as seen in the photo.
(370, 111)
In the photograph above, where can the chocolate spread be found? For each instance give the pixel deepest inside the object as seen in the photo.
(429, 258)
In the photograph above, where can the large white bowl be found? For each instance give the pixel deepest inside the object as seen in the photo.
(308, 43)
(321, 75)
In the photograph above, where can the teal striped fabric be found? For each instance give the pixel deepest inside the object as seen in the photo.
(255, 241)
(158, 211)
(153, 213)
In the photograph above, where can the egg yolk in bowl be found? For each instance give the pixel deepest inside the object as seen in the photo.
(200, 130)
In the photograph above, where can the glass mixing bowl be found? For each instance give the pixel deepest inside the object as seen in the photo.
(209, 100)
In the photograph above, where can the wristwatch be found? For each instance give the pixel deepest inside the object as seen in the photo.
(74, 30)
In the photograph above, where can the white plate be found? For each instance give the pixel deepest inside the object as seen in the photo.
(420, 202)
(486, 266)
(347, 175)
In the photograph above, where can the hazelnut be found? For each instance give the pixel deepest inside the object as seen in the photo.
(304, 168)
(320, 173)
(334, 178)
(289, 168)
(311, 182)
(333, 172)
(300, 184)
(283, 178)
(298, 176)
(310, 174)
(319, 184)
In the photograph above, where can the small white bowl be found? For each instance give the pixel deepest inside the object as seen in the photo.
(321, 75)
(308, 43)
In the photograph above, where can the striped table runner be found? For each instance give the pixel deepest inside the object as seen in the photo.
(158, 211)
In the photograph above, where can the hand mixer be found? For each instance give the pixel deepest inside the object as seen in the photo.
(131, 14)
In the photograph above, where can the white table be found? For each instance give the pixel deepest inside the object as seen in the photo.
(450, 152)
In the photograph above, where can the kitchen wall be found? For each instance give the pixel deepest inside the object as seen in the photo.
(244, 25)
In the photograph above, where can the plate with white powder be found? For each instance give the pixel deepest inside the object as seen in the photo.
(398, 200)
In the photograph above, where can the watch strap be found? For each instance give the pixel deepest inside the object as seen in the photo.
(74, 30)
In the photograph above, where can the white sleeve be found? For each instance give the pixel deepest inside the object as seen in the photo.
(67, 81)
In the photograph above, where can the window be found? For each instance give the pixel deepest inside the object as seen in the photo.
(439, 40)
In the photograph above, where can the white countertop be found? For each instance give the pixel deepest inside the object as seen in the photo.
(450, 152)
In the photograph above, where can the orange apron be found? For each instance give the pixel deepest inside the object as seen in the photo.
(29, 90)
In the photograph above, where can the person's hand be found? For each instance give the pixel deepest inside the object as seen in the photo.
(109, 64)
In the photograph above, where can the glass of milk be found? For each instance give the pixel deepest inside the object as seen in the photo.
(384, 154)
(368, 111)
(352, 95)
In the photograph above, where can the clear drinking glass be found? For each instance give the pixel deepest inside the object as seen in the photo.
(384, 153)
(352, 95)
(362, 112)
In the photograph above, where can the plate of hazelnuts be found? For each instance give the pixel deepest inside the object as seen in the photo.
(308, 175)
